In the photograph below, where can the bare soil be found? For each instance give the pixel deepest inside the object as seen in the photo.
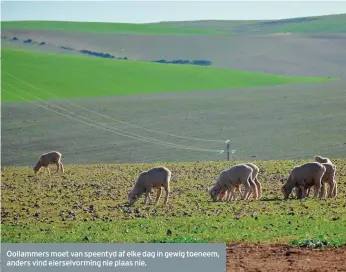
(260, 257)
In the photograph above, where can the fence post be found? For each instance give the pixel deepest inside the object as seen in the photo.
(227, 147)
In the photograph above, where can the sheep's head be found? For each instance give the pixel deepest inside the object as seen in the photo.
(37, 167)
(214, 192)
(133, 196)
(286, 191)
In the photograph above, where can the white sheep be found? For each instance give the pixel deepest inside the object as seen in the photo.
(229, 178)
(328, 178)
(225, 195)
(304, 176)
(52, 157)
(155, 178)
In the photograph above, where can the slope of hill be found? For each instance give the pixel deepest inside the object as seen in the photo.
(303, 25)
(78, 76)
(119, 28)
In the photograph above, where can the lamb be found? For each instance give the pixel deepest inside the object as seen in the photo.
(322, 160)
(328, 178)
(155, 178)
(304, 176)
(225, 195)
(52, 157)
(236, 175)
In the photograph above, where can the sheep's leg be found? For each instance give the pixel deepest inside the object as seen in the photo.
(62, 167)
(47, 169)
(322, 192)
(228, 195)
(247, 190)
(57, 167)
(259, 188)
(308, 192)
(238, 190)
(167, 189)
(331, 188)
(254, 188)
(318, 186)
(147, 196)
(232, 196)
(158, 195)
(335, 191)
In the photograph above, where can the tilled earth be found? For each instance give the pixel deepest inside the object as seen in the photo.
(271, 257)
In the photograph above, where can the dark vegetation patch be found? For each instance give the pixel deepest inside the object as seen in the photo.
(66, 48)
(100, 54)
(286, 21)
(181, 61)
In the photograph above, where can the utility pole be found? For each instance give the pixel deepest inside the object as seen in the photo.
(227, 147)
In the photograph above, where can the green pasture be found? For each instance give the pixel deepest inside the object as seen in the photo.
(66, 76)
(88, 204)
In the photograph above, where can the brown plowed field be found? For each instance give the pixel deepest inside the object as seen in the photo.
(275, 258)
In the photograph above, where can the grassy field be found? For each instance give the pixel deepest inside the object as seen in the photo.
(88, 204)
(305, 25)
(76, 76)
(118, 28)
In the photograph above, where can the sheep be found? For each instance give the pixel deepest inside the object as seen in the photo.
(236, 175)
(304, 176)
(225, 195)
(328, 178)
(322, 160)
(52, 157)
(155, 178)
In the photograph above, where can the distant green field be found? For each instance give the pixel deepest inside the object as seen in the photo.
(308, 25)
(78, 76)
(118, 28)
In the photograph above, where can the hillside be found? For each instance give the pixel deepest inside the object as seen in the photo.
(105, 28)
(305, 25)
(80, 77)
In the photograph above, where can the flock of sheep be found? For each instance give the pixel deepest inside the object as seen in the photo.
(301, 179)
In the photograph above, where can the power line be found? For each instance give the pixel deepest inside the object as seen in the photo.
(116, 120)
(137, 137)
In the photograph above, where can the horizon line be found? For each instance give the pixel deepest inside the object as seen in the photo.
(198, 20)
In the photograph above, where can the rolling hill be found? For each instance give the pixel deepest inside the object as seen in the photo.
(81, 77)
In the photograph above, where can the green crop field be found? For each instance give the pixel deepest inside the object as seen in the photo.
(67, 76)
(116, 28)
(88, 203)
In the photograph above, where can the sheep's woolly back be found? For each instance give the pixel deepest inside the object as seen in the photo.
(305, 173)
(330, 171)
(156, 174)
(50, 157)
(255, 169)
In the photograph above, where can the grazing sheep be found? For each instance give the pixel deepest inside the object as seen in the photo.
(304, 176)
(225, 195)
(52, 157)
(322, 160)
(328, 178)
(236, 175)
(155, 178)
